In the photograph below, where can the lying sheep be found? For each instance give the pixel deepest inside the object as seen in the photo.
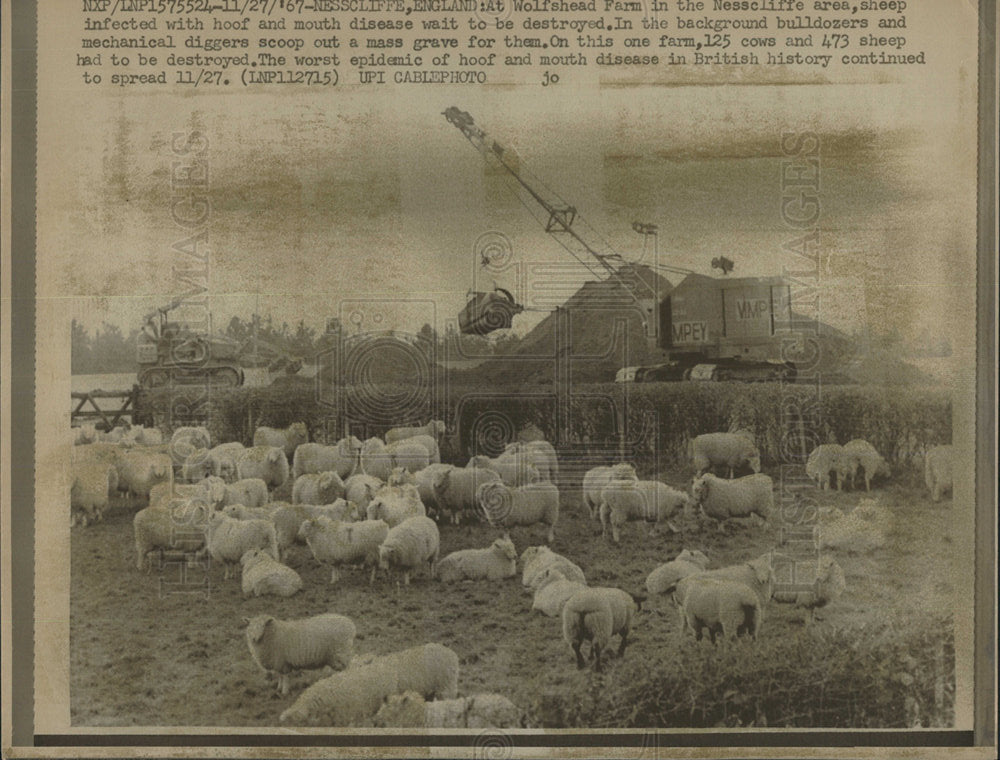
(263, 575)
(828, 583)
(598, 478)
(394, 504)
(824, 462)
(335, 542)
(861, 455)
(756, 574)
(938, 470)
(595, 615)
(288, 520)
(494, 563)
(435, 429)
(553, 591)
(720, 605)
(410, 710)
(317, 488)
(268, 463)
(536, 559)
(93, 483)
(250, 492)
(534, 503)
(287, 439)
(341, 458)
(722, 499)
(410, 544)
(861, 530)
(281, 646)
(541, 454)
(515, 470)
(455, 490)
(186, 440)
(647, 500)
(178, 525)
(361, 489)
(228, 539)
(356, 694)
(139, 470)
(424, 481)
(145, 436)
(729, 450)
(664, 579)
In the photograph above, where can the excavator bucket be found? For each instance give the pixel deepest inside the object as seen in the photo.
(486, 312)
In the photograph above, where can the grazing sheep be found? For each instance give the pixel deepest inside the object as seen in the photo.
(429, 442)
(424, 481)
(515, 470)
(139, 470)
(345, 543)
(179, 525)
(435, 429)
(730, 450)
(823, 462)
(280, 646)
(289, 518)
(263, 575)
(410, 710)
(394, 504)
(664, 579)
(317, 488)
(647, 500)
(93, 484)
(859, 454)
(494, 563)
(341, 458)
(722, 499)
(356, 694)
(828, 583)
(455, 490)
(186, 440)
(408, 545)
(595, 615)
(553, 590)
(938, 470)
(361, 489)
(534, 503)
(598, 478)
(725, 606)
(536, 559)
(223, 460)
(250, 492)
(211, 492)
(268, 463)
(228, 539)
(541, 454)
(756, 574)
(287, 440)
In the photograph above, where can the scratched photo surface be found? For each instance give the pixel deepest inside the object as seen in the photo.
(314, 346)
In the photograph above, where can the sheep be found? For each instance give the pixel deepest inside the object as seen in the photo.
(239, 512)
(553, 590)
(455, 489)
(859, 454)
(400, 476)
(317, 488)
(515, 470)
(185, 440)
(527, 505)
(597, 479)
(429, 442)
(664, 579)
(720, 605)
(823, 462)
(140, 470)
(379, 460)
(288, 520)
(178, 525)
(828, 583)
(410, 710)
(84, 434)
(93, 483)
(722, 499)
(361, 489)
(222, 459)
(414, 541)
(494, 563)
(280, 646)
(394, 504)
(435, 429)
(356, 694)
(287, 440)
(345, 543)
(228, 539)
(197, 466)
(731, 450)
(341, 458)
(938, 470)
(597, 614)
(264, 575)
(647, 500)
(250, 492)
(535, 559)
(424, 481)
(861, 530)
(144, 436)
(756, 574)
(541, 454)
(211, 492)
(116, 435)
(268, 463)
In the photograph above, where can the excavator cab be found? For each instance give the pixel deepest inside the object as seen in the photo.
(488, 311)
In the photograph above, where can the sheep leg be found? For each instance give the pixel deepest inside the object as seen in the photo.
(624, 643)
(595, 651)
(334, 575)
(552, 534)
(580, 664)
(283, 683)
(406, 577)
(371, 578)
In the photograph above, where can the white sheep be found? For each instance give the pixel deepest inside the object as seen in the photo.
(239, 512)
(211, 492)
(664, 579)
(722, 499)
(345, 543)
(268, 463)
(429, 442)
(534, 503)
(435, 429)
(647, 500)
(827, 582)
(341, 458)
(84, 434)
(361, 489)
(729, 450)
(514, 470)
(720, 605)
(424, 481)
(756, 574)
(863, 529)
(861, 455)
(494, 563)
(597, 479)
(185, 440)
(595, 615)
(281, 646)
(823, 462)
(287, 439)
(394, 504)
(197, 466)
(139, 470)
(179, 525)
(250, 492)
(938, 470)
(263, 575)
(228, 539)
(223, 458)
(317, 488)
(380, 460)
(455, 490)
(541, 454)
(536, 559)
(410, 710)
(288, 519)
(145, 436)
(400, 476)
(356, 694)
(553, 590)
(410, 544)
(94, 482)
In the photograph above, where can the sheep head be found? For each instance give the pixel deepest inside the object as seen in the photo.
(506, 548)
(257, 627)
(623, 471)
(386, 556)
(699, 490)
(754, 461)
